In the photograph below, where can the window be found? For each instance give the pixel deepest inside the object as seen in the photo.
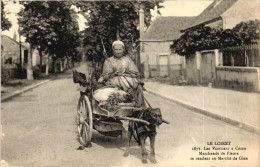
(9, 60)
(26, 56)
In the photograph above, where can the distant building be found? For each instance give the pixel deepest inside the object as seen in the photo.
(10, 49)
(155, 53)
(227, 14)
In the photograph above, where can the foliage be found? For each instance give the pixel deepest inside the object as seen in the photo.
(5, 23)
(20, 73)
(36, 72)
(206, 38)
(9, 72)
(249, 31)
(50, 26)
(109, 20)
(5, 75)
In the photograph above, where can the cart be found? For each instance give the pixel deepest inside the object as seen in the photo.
(91, 116)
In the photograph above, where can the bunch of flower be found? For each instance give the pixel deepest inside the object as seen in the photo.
(112, 102)
(130, 96)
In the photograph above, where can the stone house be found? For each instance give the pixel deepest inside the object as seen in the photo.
(10, 53)
(235, 67)
(155, 54)
(227, 14)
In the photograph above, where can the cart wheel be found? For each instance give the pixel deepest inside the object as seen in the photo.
(84, 121)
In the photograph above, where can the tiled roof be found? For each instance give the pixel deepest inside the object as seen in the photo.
(213, 11)
(166, 28)
(12, 40)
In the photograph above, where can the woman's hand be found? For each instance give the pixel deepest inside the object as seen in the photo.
(101, 79)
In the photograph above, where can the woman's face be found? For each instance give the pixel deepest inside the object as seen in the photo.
(118, 51)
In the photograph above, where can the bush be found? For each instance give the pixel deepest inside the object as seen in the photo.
(5, 75)
(43, 68)
(20, 73)
(36, 72)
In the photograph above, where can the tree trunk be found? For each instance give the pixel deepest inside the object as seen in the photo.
(29, 65)
(47, 66)
(53, 66)
(40, 53)
(72, 61)
(65, 63)
(61, 65)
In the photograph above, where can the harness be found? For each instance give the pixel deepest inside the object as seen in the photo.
(141, 127)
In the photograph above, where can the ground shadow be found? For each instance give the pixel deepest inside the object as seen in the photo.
(117, 142)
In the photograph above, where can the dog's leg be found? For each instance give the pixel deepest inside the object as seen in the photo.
(129, 136)
(144, 153)
(152, 142)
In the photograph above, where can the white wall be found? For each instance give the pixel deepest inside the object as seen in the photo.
(242, 10)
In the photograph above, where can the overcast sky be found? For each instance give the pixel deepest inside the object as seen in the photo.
(171, 8)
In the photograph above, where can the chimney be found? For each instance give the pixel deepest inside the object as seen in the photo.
(141, 21)
(15, 36)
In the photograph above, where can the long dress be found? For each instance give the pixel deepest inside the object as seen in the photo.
(127, 72)
(127, 76)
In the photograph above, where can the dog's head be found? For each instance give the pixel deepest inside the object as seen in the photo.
(154, 116)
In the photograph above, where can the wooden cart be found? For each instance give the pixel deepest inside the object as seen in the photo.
(92, 116)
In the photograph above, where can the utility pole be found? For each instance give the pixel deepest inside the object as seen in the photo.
(20, 46)
(141, 32)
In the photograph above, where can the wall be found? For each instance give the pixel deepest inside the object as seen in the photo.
(242, 78)
(150, 57)
(242, 10)
(36, 58)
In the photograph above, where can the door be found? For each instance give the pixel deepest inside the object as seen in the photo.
(207, 72)
(163, 65)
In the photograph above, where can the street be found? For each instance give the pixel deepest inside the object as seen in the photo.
(40, 131)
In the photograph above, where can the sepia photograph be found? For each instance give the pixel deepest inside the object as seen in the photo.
(121, 83)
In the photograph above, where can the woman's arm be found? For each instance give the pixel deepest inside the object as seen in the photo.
(132, 69)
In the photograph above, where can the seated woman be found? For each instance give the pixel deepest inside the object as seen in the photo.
(120, 71)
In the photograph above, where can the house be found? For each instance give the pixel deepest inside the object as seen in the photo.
(235, 67)
(155, 53)
(11, 51)
(226, 14)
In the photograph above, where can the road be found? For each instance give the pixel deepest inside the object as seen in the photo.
(40, 131)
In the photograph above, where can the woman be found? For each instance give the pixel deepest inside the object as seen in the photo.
(120, 71)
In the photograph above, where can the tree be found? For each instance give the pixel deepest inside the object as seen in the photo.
(51, 27)
(205, 38)
(195, 40)
(248, 31)
(5, 23)
(111, 20)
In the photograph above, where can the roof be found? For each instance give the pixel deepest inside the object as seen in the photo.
(12, 40)
(166, 28)
(213, 11)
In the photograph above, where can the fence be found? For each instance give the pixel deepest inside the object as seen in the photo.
(172, 71)
(243, 56)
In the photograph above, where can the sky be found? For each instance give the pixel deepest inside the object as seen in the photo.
(171, 8)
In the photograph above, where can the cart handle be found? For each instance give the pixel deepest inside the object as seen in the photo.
(164, 121)
(134, 119)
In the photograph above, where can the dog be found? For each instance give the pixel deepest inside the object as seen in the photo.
(142, 130)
